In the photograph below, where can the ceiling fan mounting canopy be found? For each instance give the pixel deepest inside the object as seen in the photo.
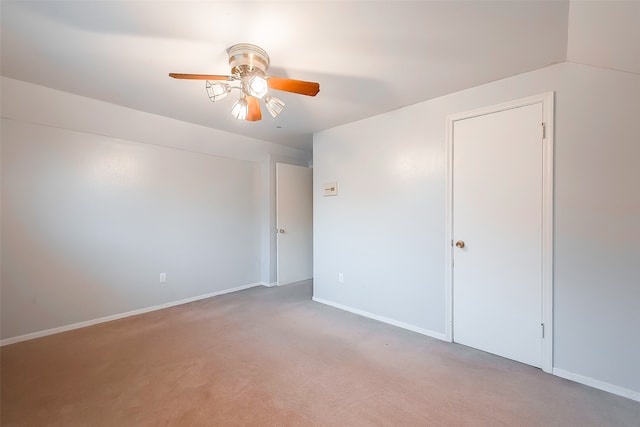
(245, 58)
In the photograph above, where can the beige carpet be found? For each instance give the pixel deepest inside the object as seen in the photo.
(272, 357)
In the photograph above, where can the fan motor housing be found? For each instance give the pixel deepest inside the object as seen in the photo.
(245, 58)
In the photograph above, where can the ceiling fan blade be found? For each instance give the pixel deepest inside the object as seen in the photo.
(200, 76)
(294, 86)
(253, 114)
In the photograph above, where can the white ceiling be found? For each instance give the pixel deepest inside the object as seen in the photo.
(369, 57)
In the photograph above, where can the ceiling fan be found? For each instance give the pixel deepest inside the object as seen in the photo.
(249, 64)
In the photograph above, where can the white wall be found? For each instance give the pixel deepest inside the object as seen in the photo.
(385, 229)
(605, 34)
(98, 199)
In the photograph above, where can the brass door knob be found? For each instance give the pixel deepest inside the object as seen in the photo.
(460, 244)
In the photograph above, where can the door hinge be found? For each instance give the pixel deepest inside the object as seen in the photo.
(544, 131)
(542, 324)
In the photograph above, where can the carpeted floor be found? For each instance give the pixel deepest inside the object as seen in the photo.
(272, 357)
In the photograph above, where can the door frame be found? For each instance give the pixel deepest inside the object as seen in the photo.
(547, 100)
(278, 167)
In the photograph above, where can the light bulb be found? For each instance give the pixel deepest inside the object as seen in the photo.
(240, 109)
(274, 105)
(217, 90)
(257, 86)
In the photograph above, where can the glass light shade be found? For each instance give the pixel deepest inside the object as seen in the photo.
(257, 86)
(274, 105)
(240, 109)
(217, 90)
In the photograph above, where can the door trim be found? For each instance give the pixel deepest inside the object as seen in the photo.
(547, 100)
(281, 168)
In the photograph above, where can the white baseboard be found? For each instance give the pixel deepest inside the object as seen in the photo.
(269, 285)
(600, 385)
(92, 322)
(383, 319)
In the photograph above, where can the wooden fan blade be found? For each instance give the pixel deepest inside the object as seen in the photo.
(294, 86)
(253, 114)
(199, 76)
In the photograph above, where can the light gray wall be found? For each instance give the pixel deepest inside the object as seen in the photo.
(89, 222)
(385, 229)
(98, 199)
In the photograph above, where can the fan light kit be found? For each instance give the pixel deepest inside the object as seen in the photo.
(249, 64)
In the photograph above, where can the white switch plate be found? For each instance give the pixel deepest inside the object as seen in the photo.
(330, 189)
(163, 277)
(340, 278)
